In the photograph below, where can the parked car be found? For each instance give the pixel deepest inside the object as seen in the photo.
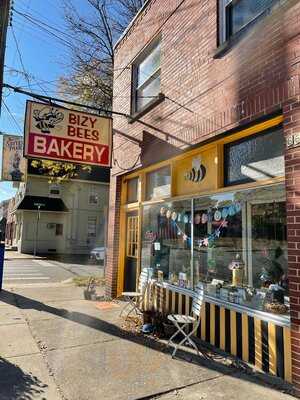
(97, 255)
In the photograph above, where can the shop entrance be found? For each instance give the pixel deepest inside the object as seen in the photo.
(131, 257)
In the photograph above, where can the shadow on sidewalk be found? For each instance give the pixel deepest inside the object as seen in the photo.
(15, 384)
(258, 378)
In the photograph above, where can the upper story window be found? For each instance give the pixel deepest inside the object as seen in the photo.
(146, 78)
(93, 196)
(234, 15)
(54, 190)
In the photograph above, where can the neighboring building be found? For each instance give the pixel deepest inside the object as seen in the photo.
(72, 217)
(208, 167)
(4, 16)
(3, 218)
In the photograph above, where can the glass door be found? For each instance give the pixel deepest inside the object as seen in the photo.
(132, 248)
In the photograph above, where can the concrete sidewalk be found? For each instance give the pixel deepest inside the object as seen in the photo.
(56, 346)
(15, 255)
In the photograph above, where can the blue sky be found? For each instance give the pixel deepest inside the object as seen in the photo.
(44, 58)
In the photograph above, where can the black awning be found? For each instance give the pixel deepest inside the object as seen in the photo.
(31, 203)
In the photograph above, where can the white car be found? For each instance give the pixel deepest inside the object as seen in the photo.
(98, 254)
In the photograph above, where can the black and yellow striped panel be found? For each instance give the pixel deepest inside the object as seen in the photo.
(262, 343)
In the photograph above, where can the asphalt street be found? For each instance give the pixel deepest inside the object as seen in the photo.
(28, 271)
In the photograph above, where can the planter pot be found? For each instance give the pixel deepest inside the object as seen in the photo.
(147, 317)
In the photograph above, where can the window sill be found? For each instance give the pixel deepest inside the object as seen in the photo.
(134, 117)
(277, 319)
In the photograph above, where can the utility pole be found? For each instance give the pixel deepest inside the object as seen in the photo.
(38, 205)
(4, 21)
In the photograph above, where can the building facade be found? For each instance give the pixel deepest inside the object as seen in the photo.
(65, 218)
(205, 183)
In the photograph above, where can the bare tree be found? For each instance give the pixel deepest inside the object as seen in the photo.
(92, 59)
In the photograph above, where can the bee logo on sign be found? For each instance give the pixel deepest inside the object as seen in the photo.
(198, 171)
(47, 118)
(57, 133)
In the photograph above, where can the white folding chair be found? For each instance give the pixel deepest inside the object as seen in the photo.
(135, 299)
(183, 321)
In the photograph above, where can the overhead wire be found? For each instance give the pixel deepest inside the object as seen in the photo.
(20, 57)
(37, 23)
(12, 116)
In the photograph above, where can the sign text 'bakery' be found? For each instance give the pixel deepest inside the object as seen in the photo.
(57, 133)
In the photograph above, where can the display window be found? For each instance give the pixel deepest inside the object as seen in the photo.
(234, 242)
(166, 241)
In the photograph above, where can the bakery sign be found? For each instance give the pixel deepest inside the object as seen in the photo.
(57, 133)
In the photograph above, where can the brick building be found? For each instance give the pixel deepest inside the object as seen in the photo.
(207, 166)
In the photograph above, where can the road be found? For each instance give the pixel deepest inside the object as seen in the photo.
(24, 271)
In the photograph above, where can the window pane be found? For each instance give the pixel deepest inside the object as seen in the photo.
(269, 238)
(91, 228)
(149, 65)
(166, 241)
(132, 190)
(257, 158)
(240, 246)
(58, 229)
(148, 93)
(218, 236)
(244, 11)
(158, 183)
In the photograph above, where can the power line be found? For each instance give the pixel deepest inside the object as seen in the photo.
(20, 57)
(32, 19)
(12, 117)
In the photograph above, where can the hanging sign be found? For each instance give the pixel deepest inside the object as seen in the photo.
(57, 133)
(13, 162)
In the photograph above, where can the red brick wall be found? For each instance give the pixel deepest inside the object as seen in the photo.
(292, 157)
(258, 75)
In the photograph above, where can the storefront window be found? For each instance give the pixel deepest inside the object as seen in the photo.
(166, 241)
(237, 241)
(218, 236)
(132, 190)
(256, 158)
(158, 183)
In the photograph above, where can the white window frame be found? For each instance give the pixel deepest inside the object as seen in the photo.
(93, 193)
(89, 234)
(135, 73)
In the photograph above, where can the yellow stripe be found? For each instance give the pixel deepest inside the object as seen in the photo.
(180, 304)
(258, 343)
(245, 337)
(155, 298)
(173, 302)
(161, 294)
(233, 344)
(187, 305)
(222, 328)
(212, 323)
(203, 322)
(167, 309)
(287, 354)
(272, 349)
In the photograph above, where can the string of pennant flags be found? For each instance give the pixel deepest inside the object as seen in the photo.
(220, 216)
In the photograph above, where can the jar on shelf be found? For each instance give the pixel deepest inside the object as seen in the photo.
(237, 266)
